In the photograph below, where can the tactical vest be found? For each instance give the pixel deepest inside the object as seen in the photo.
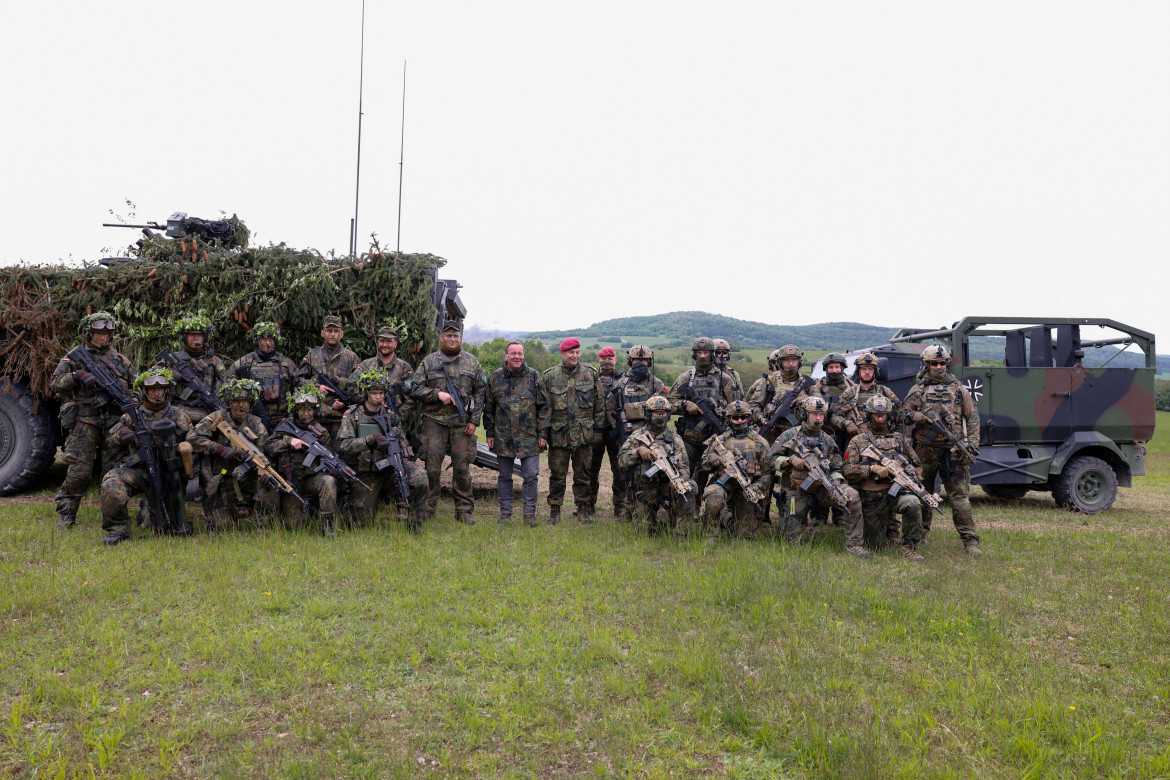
(207, 372)
(948, 396)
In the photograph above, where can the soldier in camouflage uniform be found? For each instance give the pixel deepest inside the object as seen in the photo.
(336, 361)
(872, 480)
(766, 395)
(85, 413)
(709, 382)
(793, 469)
(849, 414)
(275, 373)
(511, 420)
(129, 476)
(572, 422)
(608, 376)
(227, 497)
(625, 410)
(725, 507)
(285, 451)
(723, 361)
(660, 505)
(360, 442)
(395, 368)
(443, 432)
(832, 386)
(941, 389)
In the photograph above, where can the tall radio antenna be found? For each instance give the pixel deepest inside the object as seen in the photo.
(353, 225)
(401, 156)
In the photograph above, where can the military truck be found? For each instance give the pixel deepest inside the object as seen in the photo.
(1060, 409)
(185, 265)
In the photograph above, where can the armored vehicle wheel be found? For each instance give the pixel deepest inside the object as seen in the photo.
(1087, 485)
(28, 441)
(1005, 491)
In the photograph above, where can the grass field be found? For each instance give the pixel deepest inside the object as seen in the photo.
(590, 651)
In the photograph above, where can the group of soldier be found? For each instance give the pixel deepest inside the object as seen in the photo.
(269, 436)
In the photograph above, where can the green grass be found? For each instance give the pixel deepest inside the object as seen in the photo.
(576, 651)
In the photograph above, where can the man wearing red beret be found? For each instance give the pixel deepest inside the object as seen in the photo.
(572, 421)
(607, 359)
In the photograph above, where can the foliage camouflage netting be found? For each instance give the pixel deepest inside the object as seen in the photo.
(235, 286)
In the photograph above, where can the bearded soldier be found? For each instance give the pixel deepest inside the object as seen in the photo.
(86, 411)
(706, 382)
(727, 506)
(660, 501)
(333, 360)
(512, 407)
(723, 361)
(609, 375)
(272, 371)
(939, 392)
(289, 453)
(450, 385)
(767, 395)
(129, 475)
(228, 496)
(396, 369)
(832, 386)
(849, 415)
(872, 480)
(625, 409)
(366, 447)
(793, 454)
(572, 421)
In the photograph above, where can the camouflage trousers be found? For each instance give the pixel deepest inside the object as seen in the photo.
(559, 459)
(956, 480)
(437, 442)
(323, 487)
(363, 503)
(239, 501)
(611, 446)
(798, 506)
(881, 512)
(79, 453)
(118, 485)
(659, 509)
(695, 450)
(727, 510)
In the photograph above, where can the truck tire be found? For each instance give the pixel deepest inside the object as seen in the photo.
(1006, 491)
(1087, 484)
(28, 441)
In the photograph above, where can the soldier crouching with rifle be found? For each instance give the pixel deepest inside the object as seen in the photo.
(742, 476)
(147, 446)
(373, 443)
(663, 489)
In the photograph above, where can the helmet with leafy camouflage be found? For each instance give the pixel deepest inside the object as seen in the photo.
(240, 388)
(639, 352)
(263, 329)
(936, 352)
(835, 357)
(878, 404)
(306, 394)
(657, 403)
(372, 379)
(98, 321)
(193, 323)
(154, 377)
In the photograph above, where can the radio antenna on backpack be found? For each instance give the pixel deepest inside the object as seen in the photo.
(353, 225)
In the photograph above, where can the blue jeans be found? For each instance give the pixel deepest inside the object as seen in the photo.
(529, 468)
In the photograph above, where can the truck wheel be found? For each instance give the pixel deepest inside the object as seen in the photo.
(28, 441)
(1006, 491)
(1087, 485)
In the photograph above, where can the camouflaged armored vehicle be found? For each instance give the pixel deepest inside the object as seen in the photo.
(187, 265)
(1065, 405)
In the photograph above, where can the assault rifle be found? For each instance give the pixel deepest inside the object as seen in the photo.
(664, 465)
(710, 418)
(254, 458)
(394, 456)
(319, 458)
(338, 393)
(902, 477)
(817, 471)
(783, 410)
(456, 397)
(168, 510)
(204, 398)
(732, 471)
(941, 420)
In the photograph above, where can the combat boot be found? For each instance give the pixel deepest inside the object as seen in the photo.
(114, 537)
(554, 515)
(465, 518)
(584, 515)
(910, 553)
(327, 526)
(531, 520)
(66, 522)
(505, 518)
(414, 522)
(860, 552)
(972, 548)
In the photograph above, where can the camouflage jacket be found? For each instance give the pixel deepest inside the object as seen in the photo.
(399, 371)
(211, 372)
(850, 409)
(643, 437)
(767, 392)
(575, 408)
(608, 383)
(430, 378)
(276, 375)
(624, 402)
(717, 386)
(955, 401)
(816, 440)
(511, 411)
(359, 451)
(888, 443)
(750, 451)
(83, 403)
(123, 455)
(204, 435)
(287, 459)
(338, 365)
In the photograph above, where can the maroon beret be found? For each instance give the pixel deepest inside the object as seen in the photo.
(570, 343)
(606, 352)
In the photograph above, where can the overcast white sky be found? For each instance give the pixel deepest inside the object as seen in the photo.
(576, 162)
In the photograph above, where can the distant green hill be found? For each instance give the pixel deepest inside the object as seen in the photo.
(685, 325)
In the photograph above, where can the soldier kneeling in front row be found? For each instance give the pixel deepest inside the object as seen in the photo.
(663, 489)
(742, 476)
(303, 406)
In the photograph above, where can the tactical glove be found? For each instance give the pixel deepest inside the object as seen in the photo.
(228, 453)
(881, 472)
(128, 437)
(379, 440)
(692, 408)
(918, 417)
(645, 453)
(797, 462)
(267, 482)
(86, 378)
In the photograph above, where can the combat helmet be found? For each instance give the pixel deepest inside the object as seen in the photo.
(834, 357)
(372, 379)
(722, 351)
(263, 329)
(639, 352)
(702, 343)
(878, 404)
(657, 403)
(774, 360)
(233, 389)
(813, 403)
(193, 323)
(154, 378)
(98, 321)
(865, 359)
(936, 352)
(789, 350)
(738, 409)
(306, 394)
